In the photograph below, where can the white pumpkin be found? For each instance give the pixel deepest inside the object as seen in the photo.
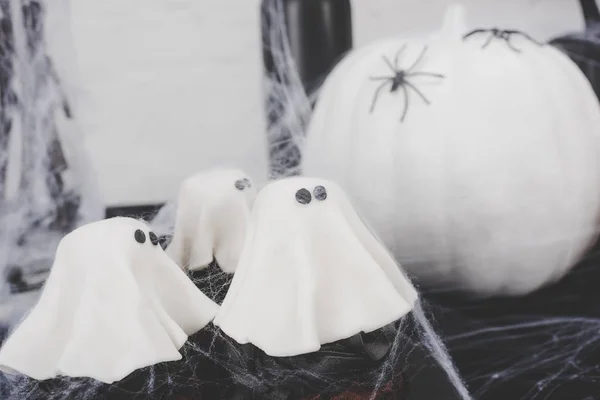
(491, 180)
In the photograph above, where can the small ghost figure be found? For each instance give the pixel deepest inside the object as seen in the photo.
(310, 273)
(113, 302)
(212, 217)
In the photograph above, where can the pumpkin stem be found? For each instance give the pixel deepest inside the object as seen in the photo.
(591, 14)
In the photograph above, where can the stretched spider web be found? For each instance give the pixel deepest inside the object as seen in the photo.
(45, 186)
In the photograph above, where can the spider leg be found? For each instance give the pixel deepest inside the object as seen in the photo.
(377, 95)
(423, 73)
(488, 41)
(528, 37)
(405, 103)
(389, 64)
(418, 59)
(512, 47)
(397, 56)
(381, 78)
(413, 87)
(475, 32)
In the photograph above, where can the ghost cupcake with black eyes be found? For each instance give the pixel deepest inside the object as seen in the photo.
(111, 286)
(311, 276)
(212, 214)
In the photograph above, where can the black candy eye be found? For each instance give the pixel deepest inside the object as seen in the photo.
(239, 184)
(320, 193)
(247, 182)
(153, 238)
(303, 196)
(140, 236)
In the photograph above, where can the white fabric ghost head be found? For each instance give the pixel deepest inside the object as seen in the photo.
(212, 217)
(113, 302)
(310, 273)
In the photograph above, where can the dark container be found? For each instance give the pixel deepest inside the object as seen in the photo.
(584, 47)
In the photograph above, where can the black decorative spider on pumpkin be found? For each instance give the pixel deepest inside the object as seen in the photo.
(399, 79)
(506, 35)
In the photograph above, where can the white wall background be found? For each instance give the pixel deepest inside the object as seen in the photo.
(169, 87)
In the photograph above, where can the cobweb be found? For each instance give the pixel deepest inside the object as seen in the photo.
(559, 346)
(288, 107)
(542, 346)
(46, 189)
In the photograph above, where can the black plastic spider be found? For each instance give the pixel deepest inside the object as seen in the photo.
(400, 80)
(501, 34)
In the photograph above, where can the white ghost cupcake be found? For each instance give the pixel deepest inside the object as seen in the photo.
(310, 273)
(212, 216)
(113, 302)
